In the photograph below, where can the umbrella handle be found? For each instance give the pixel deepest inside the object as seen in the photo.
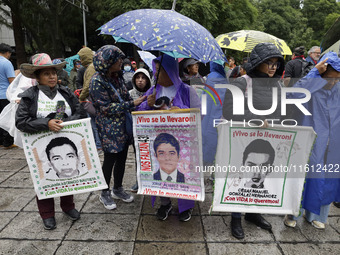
(160, 65)
(154, 89)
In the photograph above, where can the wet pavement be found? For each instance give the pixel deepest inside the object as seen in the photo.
(133, 228)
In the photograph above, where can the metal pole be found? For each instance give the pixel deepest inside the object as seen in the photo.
(84, 22)
(173, 5)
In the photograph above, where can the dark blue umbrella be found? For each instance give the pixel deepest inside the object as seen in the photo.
(167, 31)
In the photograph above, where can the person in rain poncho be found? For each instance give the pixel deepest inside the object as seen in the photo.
(322, 186)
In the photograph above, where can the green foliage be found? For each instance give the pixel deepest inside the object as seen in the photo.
(316, 11)
(51, 25)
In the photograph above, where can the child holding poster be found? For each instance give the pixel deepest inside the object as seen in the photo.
(171, 93)
(37, 111)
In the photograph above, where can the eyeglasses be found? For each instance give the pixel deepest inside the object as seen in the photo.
(271, 65)
(318, 53)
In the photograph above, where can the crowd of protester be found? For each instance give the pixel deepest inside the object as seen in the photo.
(111, 85)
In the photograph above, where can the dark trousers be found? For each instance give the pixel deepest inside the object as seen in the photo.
(115, 161)
(5, 138)
(46, 206)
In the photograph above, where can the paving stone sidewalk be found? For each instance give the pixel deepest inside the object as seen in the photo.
(133, 228)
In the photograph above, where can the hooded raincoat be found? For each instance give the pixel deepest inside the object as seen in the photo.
(322, 185)
(186, 96)
(110, 112)
(135, 93)
(209, 138)
(86, 56)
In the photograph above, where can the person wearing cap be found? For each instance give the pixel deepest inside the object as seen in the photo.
(321, 187)
(191, 75)
(63, 78)
(7, 75)
(32, 117)
(266, 68)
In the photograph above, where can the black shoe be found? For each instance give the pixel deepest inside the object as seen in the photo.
(236, 228)
(73, 214)
(258, 220)
(49, 223)
(163, 211)
(336, 204)
(186, 215)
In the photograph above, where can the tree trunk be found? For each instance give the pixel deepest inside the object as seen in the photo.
(19, 40)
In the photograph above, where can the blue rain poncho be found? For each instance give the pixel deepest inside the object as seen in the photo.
(322, 185)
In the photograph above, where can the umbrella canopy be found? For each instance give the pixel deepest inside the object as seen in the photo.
(167, 31)
(245, 40)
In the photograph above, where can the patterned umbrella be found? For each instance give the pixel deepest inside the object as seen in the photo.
(245, 40)
(166, 31)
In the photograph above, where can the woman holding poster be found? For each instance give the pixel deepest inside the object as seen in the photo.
(266, 68)
(170, 93)
(44, 107)
(112, 102)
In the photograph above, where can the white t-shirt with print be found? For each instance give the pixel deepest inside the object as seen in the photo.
(47, 105)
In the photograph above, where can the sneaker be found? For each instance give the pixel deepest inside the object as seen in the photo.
(163, 211)
(121, 194)
(107, 200)
(186, 215)
(318, 224)
(289, 222)
(134, 188)
(73, 214)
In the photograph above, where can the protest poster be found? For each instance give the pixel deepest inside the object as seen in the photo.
(261, 170)
(168, 149)
(65, 162)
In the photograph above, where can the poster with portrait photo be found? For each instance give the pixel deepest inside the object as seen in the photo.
(65, 162)
(168, 149)
(261, 170)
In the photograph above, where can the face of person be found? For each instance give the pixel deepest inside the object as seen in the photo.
(163, 78)
(141, 80)
(134, 65)
(332, 76)
(116, 67)
(315, 54)
(255, 162)
(8, 55)
(231, 62)
(48, 77)
(242, 71)
(167, 157)
(193, 69)
(77, 66)
(64, 161)
(269, 66)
